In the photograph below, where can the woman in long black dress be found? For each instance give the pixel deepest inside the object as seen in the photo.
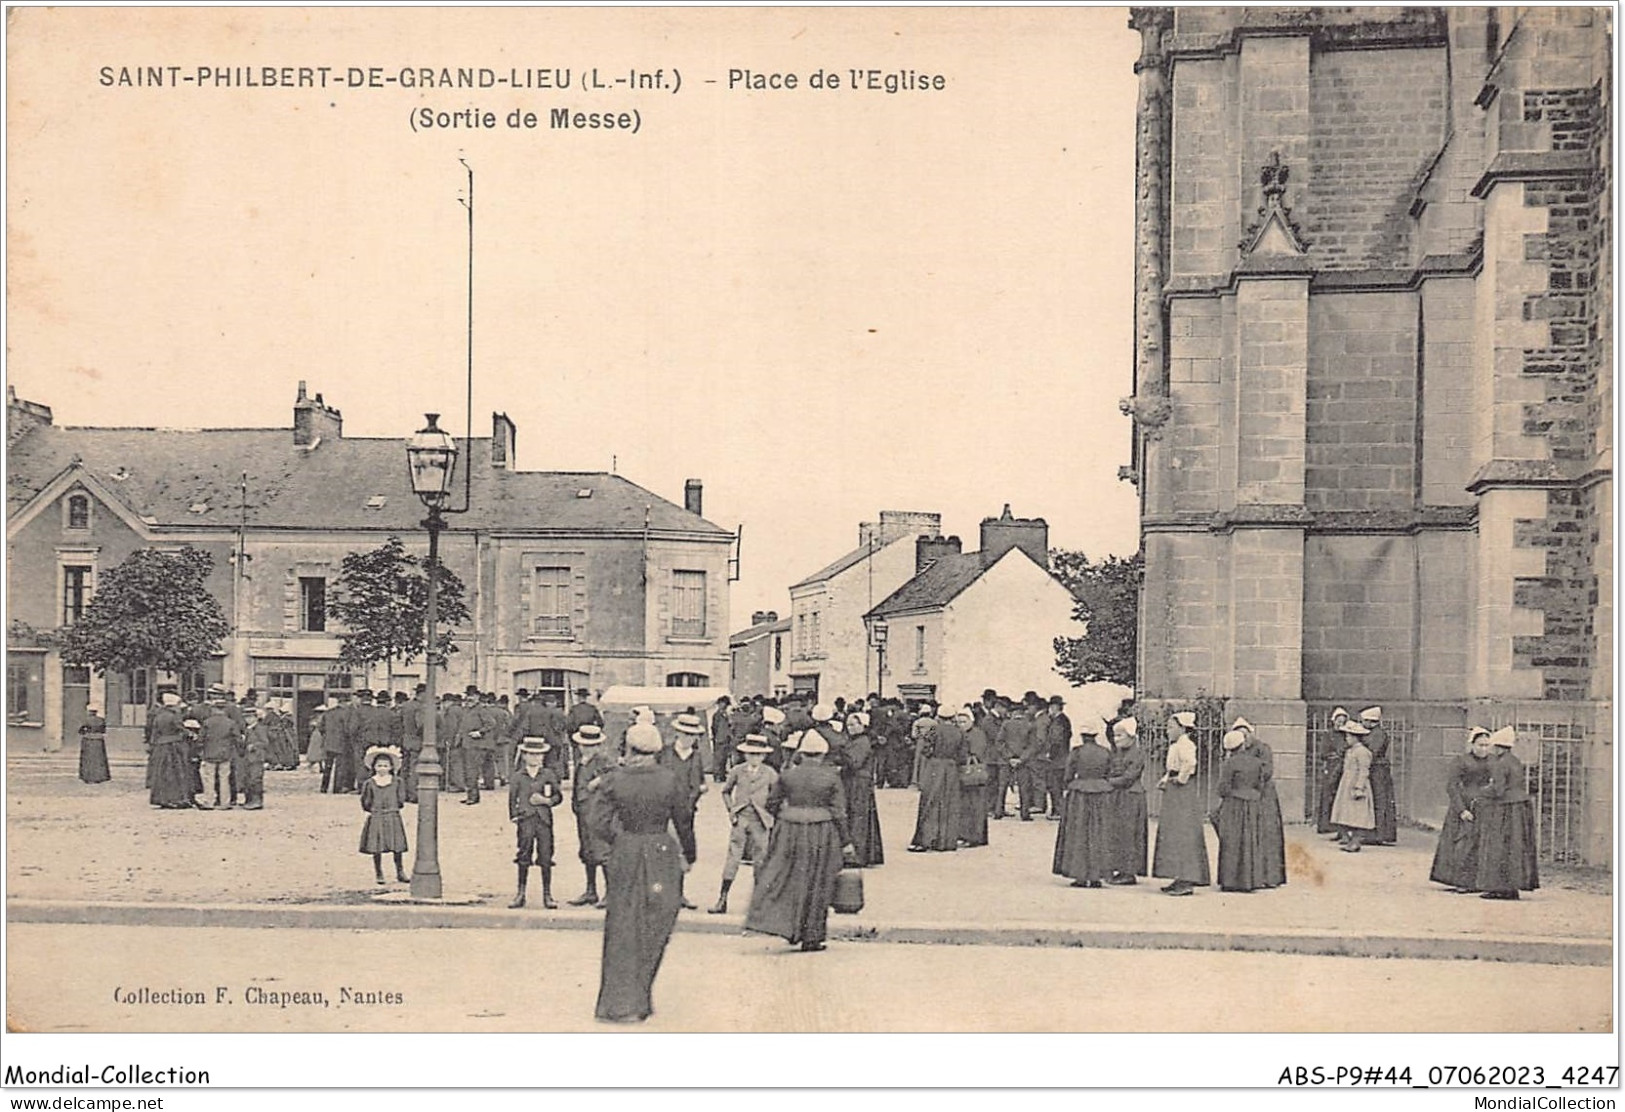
(1273, 830)
(1238, 822)
(1455, 862)
(1126, 775)
(972, 806)
(169, 766)
(858, 781)
(1083, 842)
(1329, 774)
(941, 752)
(642, 804)
(93, 749)
(795, 884)
(1506, 826)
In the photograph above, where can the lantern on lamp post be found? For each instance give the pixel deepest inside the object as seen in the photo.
(431, 458)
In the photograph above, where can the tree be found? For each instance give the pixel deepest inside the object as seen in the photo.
(381, 598)
(1108, 595)
(153, 610)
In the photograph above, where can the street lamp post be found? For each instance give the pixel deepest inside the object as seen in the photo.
(431, 457)
(877, 633)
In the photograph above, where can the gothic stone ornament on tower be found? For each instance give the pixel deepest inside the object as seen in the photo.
(1287, 237)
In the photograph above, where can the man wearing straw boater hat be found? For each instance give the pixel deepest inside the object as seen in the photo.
(745, 793)
(683, 758)
(533, 792)
(584, 799)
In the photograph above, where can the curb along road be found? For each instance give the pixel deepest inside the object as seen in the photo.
(407, 916)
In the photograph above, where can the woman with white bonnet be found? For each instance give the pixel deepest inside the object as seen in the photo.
(794, 886)
(646, 820)
(941, 752)
(973, 806)
(1506, 826)
(1238, 821)
(1328, 771)
(169, 768)
(858, 781)
(1352, 811)
(1083, 841)
(1272, 828)
(1180, 856)
(1455, 861)
(1126, 774)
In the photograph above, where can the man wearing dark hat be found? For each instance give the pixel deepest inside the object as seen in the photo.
(722, 743)
(1057, 744)
(998, 755)
(533, 792)
(356, 717)
(479, 728)
(1023, 742)
(582, 712)
(410, 714)
(504, 754)
(449, 734)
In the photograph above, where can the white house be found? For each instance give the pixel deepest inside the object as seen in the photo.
(973, 620)
(830, 653)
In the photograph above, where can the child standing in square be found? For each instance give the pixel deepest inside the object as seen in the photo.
(382, 796)
(533, 792)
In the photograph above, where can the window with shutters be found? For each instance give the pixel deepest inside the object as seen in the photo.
(551, 602)
(75, 592)
(313, 604)
(688, 604)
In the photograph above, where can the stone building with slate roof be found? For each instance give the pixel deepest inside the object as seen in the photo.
(760, 654)
(574, 579)
(829, 653)
(1373, 388)
(968, 621)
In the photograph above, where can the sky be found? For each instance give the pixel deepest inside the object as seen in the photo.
(822, 302)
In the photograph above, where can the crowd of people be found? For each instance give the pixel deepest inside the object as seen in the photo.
(798, 781)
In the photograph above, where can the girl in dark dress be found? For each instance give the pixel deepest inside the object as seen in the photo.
(1505, 816)
(382, 797)
(1455, 862)
(93, 749)
(1083, 842)
(794, 885)
(1238, 821)
(941, 752)
(1126, 774)
(858, 781)
(640, 805)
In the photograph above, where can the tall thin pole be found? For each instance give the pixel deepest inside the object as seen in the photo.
(468, 408)
(426, 866)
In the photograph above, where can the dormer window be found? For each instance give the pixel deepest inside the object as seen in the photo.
(78, 512)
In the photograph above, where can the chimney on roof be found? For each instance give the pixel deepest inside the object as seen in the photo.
(693, 497)
(1001, 534)
(894, 525)
(764, 617)
(503, 438)
(23, 417)
(313, 420)
(928, 550)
